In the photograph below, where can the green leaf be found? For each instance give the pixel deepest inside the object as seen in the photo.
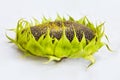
(90, 47)
(91, 59)
(75, 47)
(44, 20)
(51, 58)
(58, 18)
(80, 49)
(71, 18)
(12, 40)
(82, 21)
(100, 30)
(34, 48)
(106, 37)
(90, 25)
(108, 47)
(46, 43)
(83, 41)
(63, 47)
(64, 19)
(36, 22)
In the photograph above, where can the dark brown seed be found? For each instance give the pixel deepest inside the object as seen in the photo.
(37, 31)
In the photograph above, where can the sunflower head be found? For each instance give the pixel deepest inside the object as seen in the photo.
(60, 38)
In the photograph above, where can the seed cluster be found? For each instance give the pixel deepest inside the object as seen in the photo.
(56, 32)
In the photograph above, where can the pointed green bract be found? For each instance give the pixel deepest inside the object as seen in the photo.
(45, 47)
(63, 47)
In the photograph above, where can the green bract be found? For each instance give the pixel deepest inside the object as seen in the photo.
(60, 48)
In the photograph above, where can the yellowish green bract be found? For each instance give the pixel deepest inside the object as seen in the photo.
(44, 47)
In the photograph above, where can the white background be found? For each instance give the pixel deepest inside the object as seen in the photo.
(13, 66)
